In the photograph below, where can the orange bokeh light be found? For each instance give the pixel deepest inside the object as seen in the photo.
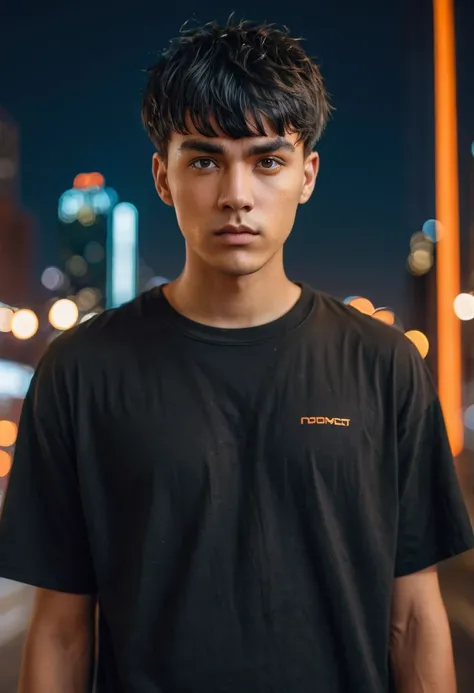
(89, 180)
(363, 305)
(384, 315)
(8, 431)
(420, 340)
(5, 463)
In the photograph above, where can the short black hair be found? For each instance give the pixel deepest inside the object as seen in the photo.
(237, 74)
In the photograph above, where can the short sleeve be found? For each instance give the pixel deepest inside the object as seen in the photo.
(43, 536)
(433, 520)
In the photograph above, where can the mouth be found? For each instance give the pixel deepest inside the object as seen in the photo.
(231, 230)
(236, 236)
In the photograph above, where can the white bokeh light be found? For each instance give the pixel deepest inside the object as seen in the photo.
(6, 316)
(63, 314)
(469, 418)
(52, 278)
(464, 306)
(24, 324)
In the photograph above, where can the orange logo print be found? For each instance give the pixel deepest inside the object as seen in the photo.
(325, 421)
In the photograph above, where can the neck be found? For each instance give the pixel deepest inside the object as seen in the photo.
(219, 300)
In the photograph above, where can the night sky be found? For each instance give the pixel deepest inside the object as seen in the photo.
(72, 77)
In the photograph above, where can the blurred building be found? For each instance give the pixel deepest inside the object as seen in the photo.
(16, 244)
(15, 224)
(83, 219)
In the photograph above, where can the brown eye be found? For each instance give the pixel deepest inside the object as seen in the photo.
(202, 164)
(270, 164)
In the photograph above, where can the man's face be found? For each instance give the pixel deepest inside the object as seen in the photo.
(235, 200)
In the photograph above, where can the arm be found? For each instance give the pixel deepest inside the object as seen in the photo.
(420, 640)
(44, 537)
(58, 653)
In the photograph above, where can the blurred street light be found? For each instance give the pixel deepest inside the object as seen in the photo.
(384, 315)
(420, 259)
(122, 255)
(63, 314)
(5, 463)
(8, 432)
(24, 324)
(464, 306)
(363, 305)
(52, 278)
(447, 212)
(420, 340)
(6, 315)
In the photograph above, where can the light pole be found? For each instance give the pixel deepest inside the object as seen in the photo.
(447, 211)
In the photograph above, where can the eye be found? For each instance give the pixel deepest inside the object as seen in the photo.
(270, 163)
(202, 164)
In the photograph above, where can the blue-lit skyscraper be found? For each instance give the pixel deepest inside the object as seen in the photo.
(84, 214)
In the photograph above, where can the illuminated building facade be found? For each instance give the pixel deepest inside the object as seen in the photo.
(84, 214)
(98, 259)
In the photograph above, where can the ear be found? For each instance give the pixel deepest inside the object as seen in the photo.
(160, 176)
(311, 170)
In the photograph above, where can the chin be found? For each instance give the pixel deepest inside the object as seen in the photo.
(237, 269)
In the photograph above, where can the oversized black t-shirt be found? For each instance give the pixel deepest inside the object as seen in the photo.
(240, 500)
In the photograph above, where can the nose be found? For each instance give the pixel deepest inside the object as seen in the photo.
(236, 190)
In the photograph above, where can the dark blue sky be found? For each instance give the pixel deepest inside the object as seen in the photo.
(72, 78)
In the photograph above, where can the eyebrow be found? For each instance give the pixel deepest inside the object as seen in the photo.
(208, 147)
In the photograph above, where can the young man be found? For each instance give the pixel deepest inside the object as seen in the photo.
(252, 480)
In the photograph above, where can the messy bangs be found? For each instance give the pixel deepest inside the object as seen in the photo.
(238, 81)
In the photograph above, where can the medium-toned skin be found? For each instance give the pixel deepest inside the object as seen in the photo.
(222, 284)
(58, 653)
(420, 645)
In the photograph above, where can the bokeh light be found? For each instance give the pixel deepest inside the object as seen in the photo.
(464, 306)
(86, 216)
(5, 463)
(52, 278)
(77, 266)
(87, 298)
(420, 240)
(6, 316)
(24, 324)
(469, 417)
(363, 305)
(420, 261)
(421, 257)
(8, 433)
(89, 180)
(69, 205)
(63, 314)
(384, 315)
(432, 230)
(420, 340)
(15, 379)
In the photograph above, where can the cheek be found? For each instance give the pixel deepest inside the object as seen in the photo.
(191, 201)
(285, 187)
(281, 196)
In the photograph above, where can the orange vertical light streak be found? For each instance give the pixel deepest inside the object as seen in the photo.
(447, 211)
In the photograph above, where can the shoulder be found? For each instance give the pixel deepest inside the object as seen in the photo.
(375, 347)
(358, 329)
(102, 339)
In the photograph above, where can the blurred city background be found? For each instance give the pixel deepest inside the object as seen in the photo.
(390, 227)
